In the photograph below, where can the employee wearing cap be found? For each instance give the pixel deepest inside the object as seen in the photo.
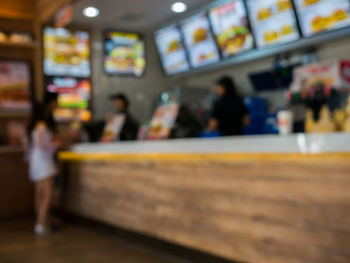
(131, 126)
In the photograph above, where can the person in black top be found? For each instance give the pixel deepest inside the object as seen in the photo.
(229, 114)
(131, 126)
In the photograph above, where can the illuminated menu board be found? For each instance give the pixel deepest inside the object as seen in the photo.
(73, 98)
(172, 52)
(320, 15)
(199, 41)
(273, 21)
(230, 25)
(66, 52)
(124, 54)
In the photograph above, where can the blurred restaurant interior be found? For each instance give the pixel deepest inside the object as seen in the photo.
(175, 131)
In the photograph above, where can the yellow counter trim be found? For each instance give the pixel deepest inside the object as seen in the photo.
(71, 156)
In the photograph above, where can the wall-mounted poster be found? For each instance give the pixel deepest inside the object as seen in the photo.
(199, 41)
(113, 128)
(321, 15)
(231, 29)
(15, 82)
(273, 21)
(171, 50)
(66, 52)
(124, 54)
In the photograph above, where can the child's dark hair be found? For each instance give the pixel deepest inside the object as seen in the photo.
(38, 115)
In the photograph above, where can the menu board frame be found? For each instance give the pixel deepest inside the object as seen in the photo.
(191, 16)
(305, 36)
(124, 75)
(177, 25)
(219, 3)
(30, 86)
(71, 29)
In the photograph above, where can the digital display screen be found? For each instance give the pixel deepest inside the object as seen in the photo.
(66, 52)
(124, 54)
(15, 82)
(231, 29)
(171, 49)
(73, 97)
(316, 16)
(199, 41)
(273, 21)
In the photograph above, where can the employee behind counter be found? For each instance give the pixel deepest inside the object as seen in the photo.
(228, 116)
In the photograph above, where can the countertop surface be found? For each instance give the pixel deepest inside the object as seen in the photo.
(296, 143)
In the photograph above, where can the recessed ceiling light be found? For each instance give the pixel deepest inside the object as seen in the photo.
(179, 7)
(91, 11)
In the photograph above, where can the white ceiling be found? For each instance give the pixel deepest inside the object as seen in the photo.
(138, 15)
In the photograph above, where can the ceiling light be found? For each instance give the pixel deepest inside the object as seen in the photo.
(91, 11)
(179, 7)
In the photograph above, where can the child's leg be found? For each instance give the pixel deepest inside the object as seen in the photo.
(45, 201)
(39, 193)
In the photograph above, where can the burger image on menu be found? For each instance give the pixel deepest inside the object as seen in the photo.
(233, 39)
(174, 45)
(271, 36)
(124, 57)
(319, 23)
(264, 13)
(200, 35)
(310, 2)
(284, 5)
(338, 15)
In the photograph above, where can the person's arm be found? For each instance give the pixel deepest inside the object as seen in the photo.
(213, 124)
(246, 120)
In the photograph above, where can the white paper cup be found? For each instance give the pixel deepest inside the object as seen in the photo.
(285, 122)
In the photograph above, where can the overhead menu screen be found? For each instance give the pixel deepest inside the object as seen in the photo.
(230, 25)
(199, 41)
(124, 54)
(273, 21)
(171, 50)
(316, 16)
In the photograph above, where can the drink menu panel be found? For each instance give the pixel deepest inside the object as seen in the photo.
(199, 41)
(171, 49)
(273, 21)
(316, 16)
(230, 25)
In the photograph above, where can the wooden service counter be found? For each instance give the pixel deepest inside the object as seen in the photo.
(254, 199)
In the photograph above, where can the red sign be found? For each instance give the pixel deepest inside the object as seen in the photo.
(64, 16)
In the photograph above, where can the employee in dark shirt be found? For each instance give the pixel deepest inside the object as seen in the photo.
(131, 126)
(229, 114)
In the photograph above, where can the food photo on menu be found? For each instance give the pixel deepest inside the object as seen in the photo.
(321, 15)
(124, 54)
(66, 53)
(273, 21)
(172, 52)
(231, 29)
(15, 81)
(199, 41)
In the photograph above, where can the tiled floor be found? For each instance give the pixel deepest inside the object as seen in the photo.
(71, 244)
